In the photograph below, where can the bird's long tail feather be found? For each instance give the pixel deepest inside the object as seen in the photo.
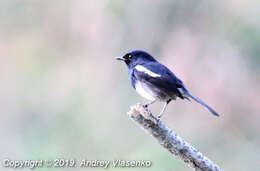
(201, 102)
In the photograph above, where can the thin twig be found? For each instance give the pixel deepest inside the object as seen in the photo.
(170, 140)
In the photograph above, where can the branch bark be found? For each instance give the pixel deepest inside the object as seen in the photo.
(170, 140)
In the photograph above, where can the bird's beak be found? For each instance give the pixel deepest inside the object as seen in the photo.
(120, 58)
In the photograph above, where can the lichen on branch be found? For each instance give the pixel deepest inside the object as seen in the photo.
(170, 140)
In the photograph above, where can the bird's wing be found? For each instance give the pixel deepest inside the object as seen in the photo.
(158, 76)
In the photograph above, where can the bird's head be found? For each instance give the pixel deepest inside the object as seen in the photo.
(136, 57)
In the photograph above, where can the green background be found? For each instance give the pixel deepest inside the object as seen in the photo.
(63, 95)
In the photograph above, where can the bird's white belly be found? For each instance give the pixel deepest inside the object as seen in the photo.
(144, 91)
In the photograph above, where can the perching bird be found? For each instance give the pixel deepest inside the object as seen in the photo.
(155, 81)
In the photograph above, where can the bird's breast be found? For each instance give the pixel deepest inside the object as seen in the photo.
(151, 93)
(144, 91)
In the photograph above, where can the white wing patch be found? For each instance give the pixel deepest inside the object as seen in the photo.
(147, 71)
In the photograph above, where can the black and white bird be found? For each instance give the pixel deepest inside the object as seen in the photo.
(155, 81)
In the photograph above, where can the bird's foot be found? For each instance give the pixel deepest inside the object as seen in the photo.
(159, 118)
(147, 104)
(156, 119)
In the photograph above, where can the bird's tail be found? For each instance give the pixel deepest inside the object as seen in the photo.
(201, 102)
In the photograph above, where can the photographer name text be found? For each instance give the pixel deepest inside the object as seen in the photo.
(70, 163)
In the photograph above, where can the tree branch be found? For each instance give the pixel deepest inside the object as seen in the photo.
(170, 140)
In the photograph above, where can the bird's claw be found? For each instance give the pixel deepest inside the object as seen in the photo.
(158, 120)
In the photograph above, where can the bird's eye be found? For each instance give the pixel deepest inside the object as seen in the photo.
(129, 57)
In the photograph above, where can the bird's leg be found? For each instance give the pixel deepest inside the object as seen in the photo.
(161, 113)
(147, 104)
(164, 107)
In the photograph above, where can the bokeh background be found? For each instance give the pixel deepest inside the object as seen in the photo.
(63, 95)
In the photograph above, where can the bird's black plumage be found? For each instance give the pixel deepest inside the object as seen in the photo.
(155, 81)
(166, 85)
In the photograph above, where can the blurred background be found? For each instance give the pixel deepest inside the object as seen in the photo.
(63, 95)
